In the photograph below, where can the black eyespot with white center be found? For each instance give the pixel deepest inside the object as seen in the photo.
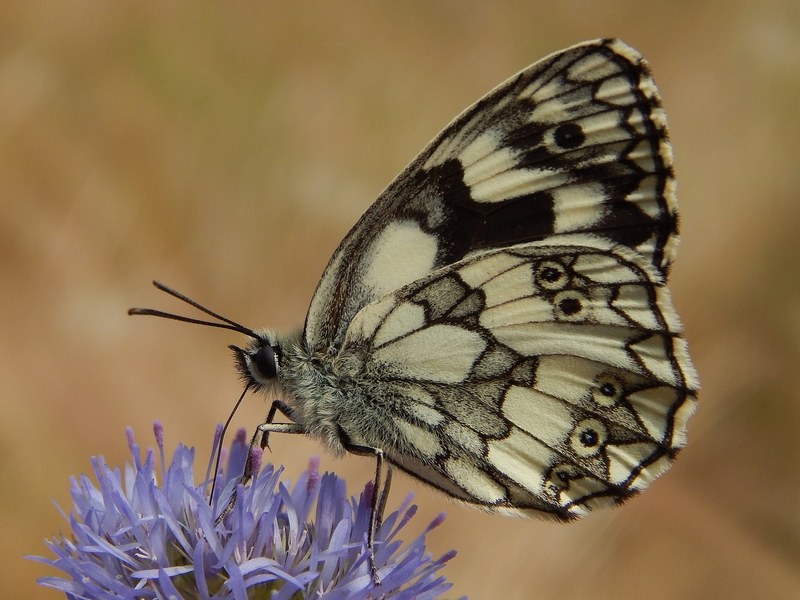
(551, 275)
(588, 437)
(569, 135)
(608, 389)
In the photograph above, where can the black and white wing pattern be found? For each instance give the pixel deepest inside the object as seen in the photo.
(497, 323)
(544, 377)
(574, 143)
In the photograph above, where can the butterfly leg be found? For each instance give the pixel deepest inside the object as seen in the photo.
(277, 405)
(380, 493)
(261, 436)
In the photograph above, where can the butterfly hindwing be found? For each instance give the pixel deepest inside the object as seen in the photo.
(547, 376)
(574, 143)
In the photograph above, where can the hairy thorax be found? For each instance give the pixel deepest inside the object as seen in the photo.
(332, 399)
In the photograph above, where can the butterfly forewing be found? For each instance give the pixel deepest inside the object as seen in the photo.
(575, 143)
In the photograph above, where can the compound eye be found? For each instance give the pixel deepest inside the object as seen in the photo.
(266, 363)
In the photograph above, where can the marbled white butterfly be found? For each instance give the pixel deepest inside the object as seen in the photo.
(497, 324)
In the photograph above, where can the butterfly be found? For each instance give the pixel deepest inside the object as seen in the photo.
(497, 324)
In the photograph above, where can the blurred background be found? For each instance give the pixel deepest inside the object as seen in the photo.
(226, 148)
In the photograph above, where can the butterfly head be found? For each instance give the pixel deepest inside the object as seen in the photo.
(259, 362)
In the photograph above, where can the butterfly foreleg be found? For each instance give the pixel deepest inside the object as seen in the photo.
(263, 432)
(261, 437)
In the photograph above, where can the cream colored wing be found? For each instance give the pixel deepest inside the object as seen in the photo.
(548, 376)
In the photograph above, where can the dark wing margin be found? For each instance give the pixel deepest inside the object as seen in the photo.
(574, 143)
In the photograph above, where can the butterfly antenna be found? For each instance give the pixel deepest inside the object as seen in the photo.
(224, 322)
(221, 323)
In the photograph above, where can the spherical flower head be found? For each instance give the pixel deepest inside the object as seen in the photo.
(135, 537)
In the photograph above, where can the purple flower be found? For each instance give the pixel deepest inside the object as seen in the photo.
(133, 537)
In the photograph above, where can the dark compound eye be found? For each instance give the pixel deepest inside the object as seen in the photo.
(569, 135)
(265, 361)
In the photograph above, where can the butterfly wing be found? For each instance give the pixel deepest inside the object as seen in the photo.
(548, 376)
(574, 143)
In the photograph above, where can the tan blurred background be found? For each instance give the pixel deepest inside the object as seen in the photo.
(225, 148)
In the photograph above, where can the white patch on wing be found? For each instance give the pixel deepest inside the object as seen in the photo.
(680, 419)
(566, 377)
(680, 348)
(400, 254)
(521, 458)
(653, 470)
(485, 156)
(599, 129)
(636, 122)
(523, 310)
(489, 170)
(643, 155)
(427, 414)
(592, 67)
(474, 481)
(651, 406)
(602, 268)
(544, 417)
(616, 90)
(441, 353)
(652, 352)
(645, 197)
(424, 441)
(634, 302)
(548, 109)
(367, 321)
(404, 318)
(513, 183)
(477, 272)
(577, 206)
(623, 459)
(514, 283)
(601, 343)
